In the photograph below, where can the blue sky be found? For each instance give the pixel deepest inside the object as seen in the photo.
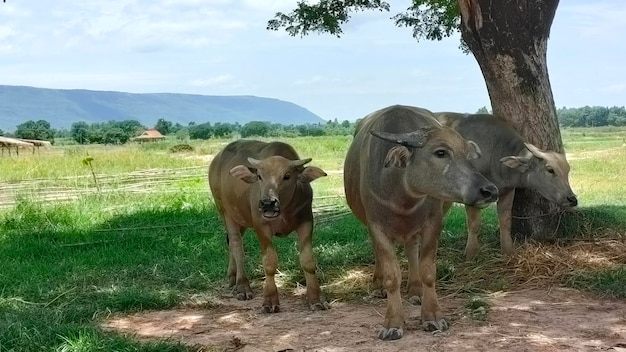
(221, 47)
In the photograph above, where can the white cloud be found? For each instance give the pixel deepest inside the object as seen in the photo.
(615, 88)
(6, 49)
(600, 20)
(10, 10)
(6, 32)
(138, 26)
(419, 72)
(271, 5)
(222, 47)
(194, 4)
(213, 81)
(140, 81)
(309, 81)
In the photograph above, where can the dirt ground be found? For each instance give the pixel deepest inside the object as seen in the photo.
(529, 320)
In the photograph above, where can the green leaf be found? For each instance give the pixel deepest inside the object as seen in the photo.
(87, 160)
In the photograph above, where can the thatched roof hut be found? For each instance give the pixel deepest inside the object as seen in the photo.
(37, 142)
(14, 143)
(149, 136)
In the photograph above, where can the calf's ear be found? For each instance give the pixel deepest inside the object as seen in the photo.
(398, 156)
(518, 163)
(310, 174)
(244, 173)
(474, 150)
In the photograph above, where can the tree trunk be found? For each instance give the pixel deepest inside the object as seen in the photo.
(509, 41)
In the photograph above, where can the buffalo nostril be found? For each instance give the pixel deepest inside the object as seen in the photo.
(268, 203)
(573, 200)
(488, 192)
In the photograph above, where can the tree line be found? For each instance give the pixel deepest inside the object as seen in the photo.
(592, 116)
(587, 116)
(120, 132)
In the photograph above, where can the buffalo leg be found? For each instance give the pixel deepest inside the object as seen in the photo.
(307, 262)
(473, 220)
(387, 263)
(505, 204)
(414, 285)
(270, 264)
(432, 317)
(232, 263)
(236, 270)
(377, 282)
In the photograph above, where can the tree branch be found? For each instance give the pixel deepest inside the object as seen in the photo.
(326, 16)
(430, 19)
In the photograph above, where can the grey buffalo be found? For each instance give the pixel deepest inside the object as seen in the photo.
(400, 168)
(509, 163)
(265, 186)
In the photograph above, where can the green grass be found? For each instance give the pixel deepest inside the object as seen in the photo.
(65, 266)
(607, 282)
(155, 242)
(597, 138)
(477, 308)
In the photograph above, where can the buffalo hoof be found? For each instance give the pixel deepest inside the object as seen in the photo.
(415, 300)
(320, 306)
(471, 251)
(435, 326)
(243, 292)
(508, 250)
(270, 309)
(390, 334)
(378, 293)
(244, 296)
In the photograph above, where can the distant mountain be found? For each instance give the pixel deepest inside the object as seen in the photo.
(62, 107)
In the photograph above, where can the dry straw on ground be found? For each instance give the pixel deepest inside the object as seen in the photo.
(541, 265)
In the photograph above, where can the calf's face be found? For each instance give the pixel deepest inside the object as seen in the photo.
(546, 172)
(437, 162)
(276, 180)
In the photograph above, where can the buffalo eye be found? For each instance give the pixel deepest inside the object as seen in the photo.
(286, 177)
(550, 170)
(441, 153)
(259, 176)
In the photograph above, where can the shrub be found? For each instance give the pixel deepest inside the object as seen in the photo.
(179, 148)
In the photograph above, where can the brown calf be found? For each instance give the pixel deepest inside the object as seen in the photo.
(265, 186)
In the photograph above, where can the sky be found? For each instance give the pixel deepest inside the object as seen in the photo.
(222, 47)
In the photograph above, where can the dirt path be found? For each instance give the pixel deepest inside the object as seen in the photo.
(530, 320)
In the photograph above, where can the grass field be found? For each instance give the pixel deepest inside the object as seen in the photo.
(150, 238)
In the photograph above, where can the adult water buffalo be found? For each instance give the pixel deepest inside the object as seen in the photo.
(265, 186)
(400, 167)
(509, 163)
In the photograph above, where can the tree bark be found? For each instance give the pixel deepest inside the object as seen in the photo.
(509, 41)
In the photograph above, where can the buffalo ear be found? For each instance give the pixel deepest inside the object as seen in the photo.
(398, 156)
(518, 163)
(244, 173)
(475, 152)
(310, 174)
